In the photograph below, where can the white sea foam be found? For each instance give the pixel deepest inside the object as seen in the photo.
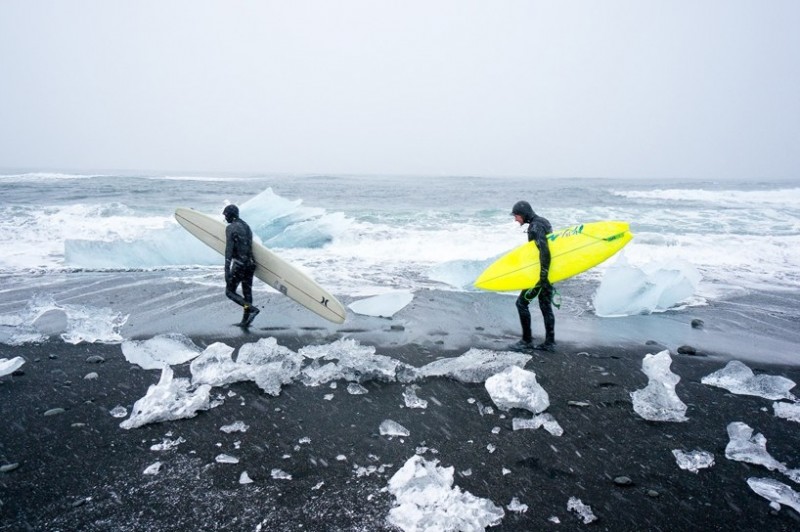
(786, 196)
(359, 252)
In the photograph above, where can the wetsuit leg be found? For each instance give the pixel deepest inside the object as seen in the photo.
(546, 306)
(524, 316)
(230, 289)
(247, 286)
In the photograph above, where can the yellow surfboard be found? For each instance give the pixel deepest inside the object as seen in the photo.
(572, 250)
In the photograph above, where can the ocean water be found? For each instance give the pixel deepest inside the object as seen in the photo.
(361, 236)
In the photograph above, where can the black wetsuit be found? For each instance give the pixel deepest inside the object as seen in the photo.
(239, 262)
(538, 228)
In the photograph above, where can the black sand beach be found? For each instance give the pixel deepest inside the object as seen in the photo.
(78, 470)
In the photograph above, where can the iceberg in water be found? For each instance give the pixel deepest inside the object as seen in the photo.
(169, 399)
(382, 306)
(626, 290)
(515, 387)
(427, 500)
(658, 400)
(738, 378)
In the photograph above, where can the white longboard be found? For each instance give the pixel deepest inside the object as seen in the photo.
(270, 268)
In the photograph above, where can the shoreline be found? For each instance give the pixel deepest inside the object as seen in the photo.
(80, 470)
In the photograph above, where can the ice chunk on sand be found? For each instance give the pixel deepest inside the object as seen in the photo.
(152, 469)
(776, 492)
(354, 363)
(744, 447)
(393, 428)
(693, 461)
(584, 511)
(476, 365)
(626, 290)
(237, 426)
(658, 400)
(425, 499)
(51, 322)
(169, 399)
(265, 362)
(515, 387)
(159, 351)
(516, 506)
(541, 420)
(10, 365)
(269, 365)
(790, 411)
(383, 305)
(737, 378)
(410, 398)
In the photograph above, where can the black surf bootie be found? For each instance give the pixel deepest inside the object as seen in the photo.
(250, 314)
(547, 345)
(521, 345)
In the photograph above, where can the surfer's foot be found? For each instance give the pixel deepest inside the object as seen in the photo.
(250, 315)
(546, 346)
(521, 345)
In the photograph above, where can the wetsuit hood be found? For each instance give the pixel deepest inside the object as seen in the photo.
(231, 212)
(524, 209)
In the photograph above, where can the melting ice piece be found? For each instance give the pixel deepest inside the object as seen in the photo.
(425, 499)
(693, 461)
(356, 389)
(244, 478)
(411, 399)
(159, 351)
(737, 378)
(153, 469)
(383, 305)
(279, 474)
(354, 363)
(265, 362)
(236, 426)
(541, 420)
(515, 387)
(776, 492)
(167, 444)
(744, 447)
(584, 511)
(658, 400)
(790, 411)
(9, 366)
(226, 459)
(626, 290)
(169, 399)
(476, 365)
(516, 506)
(393, 428)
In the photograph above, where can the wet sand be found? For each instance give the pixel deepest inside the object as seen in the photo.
(78, 470)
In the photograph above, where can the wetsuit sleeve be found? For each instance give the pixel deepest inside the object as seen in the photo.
(544, 258)
(539, 236)
(230, 245)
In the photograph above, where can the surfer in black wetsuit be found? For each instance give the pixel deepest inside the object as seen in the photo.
(239, 263)
(538, 229)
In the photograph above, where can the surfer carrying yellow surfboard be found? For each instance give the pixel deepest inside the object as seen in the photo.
(538, 229)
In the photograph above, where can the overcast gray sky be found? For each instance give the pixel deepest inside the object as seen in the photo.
(622, 88)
